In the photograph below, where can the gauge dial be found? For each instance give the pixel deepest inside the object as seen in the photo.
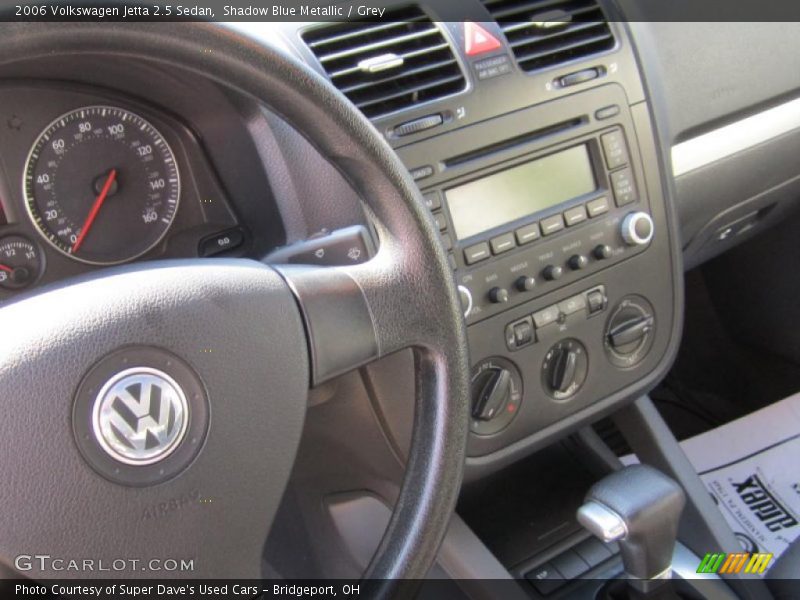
(20, 262)
(102, 185)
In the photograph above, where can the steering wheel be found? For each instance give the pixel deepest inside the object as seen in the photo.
(231, 346)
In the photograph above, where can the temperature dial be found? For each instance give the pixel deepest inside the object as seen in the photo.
(20, 262)
(564, 369)
(630, 332)
(496, 395)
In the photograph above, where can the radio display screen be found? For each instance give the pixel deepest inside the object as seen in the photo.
(509, 195)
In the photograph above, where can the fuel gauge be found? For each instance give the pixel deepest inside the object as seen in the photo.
(20, 262)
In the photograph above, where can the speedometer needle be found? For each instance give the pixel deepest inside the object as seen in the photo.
(98, 203)
(6, 269)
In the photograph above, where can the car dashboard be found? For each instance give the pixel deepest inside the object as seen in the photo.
(538, 146)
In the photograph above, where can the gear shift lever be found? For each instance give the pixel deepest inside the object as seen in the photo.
(639, 507)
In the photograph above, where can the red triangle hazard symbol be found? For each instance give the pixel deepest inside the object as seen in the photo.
(477, 40)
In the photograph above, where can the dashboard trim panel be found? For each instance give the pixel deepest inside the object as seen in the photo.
(730, 139)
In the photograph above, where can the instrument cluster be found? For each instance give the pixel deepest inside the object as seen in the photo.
(90, 180)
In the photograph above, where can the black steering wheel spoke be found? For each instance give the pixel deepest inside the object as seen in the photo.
(359, 313)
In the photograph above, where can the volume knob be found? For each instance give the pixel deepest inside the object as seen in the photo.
(637, 229)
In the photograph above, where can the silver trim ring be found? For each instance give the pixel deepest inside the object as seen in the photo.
(140, 416)
(30, 198)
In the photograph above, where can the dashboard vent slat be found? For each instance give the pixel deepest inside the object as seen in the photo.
(387, 67)
(547, 33)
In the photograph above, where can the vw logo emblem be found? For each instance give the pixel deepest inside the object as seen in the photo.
(140, 416)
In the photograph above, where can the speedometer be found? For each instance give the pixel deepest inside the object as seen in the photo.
(102, 185)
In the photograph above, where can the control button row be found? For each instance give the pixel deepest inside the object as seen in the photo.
(532, 232)
(523, 331)
(527, 283)
(615, 150)
(433, 202)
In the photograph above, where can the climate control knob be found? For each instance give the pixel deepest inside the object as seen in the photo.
(630, 332)
(496, 395)
(637, 229)
(564, 369)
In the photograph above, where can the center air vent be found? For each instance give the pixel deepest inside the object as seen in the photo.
(545, 33)
(387, 66)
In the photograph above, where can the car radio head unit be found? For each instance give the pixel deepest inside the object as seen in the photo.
(501, 198)
(534, 223)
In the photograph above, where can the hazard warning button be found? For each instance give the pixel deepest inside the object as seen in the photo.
(478, 41)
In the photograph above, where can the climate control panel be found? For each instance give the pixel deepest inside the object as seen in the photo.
(560, 242)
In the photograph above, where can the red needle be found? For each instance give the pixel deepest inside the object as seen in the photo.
(98, 203)
(6, 269)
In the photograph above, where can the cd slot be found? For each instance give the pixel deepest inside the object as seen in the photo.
(514, 142)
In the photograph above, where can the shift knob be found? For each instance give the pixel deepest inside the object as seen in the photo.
(638, 507)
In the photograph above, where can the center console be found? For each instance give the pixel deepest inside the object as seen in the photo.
(536, 153)
(560, 247)
(530, 137)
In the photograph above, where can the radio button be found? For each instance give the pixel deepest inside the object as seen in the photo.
(551, 225)
(575, 215)
(577, 262)
(421, 172)
(548, 315)
(476, 253)
(432, 200)
(498, 295)
(606, 112)
(597, 207)
(553, 272)
(502, 243)
(614, 148)
(623, 186)
(447, 241)
(441, 222)
(527, 234)
(602, 252)
(526, 283)
(451, 260)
